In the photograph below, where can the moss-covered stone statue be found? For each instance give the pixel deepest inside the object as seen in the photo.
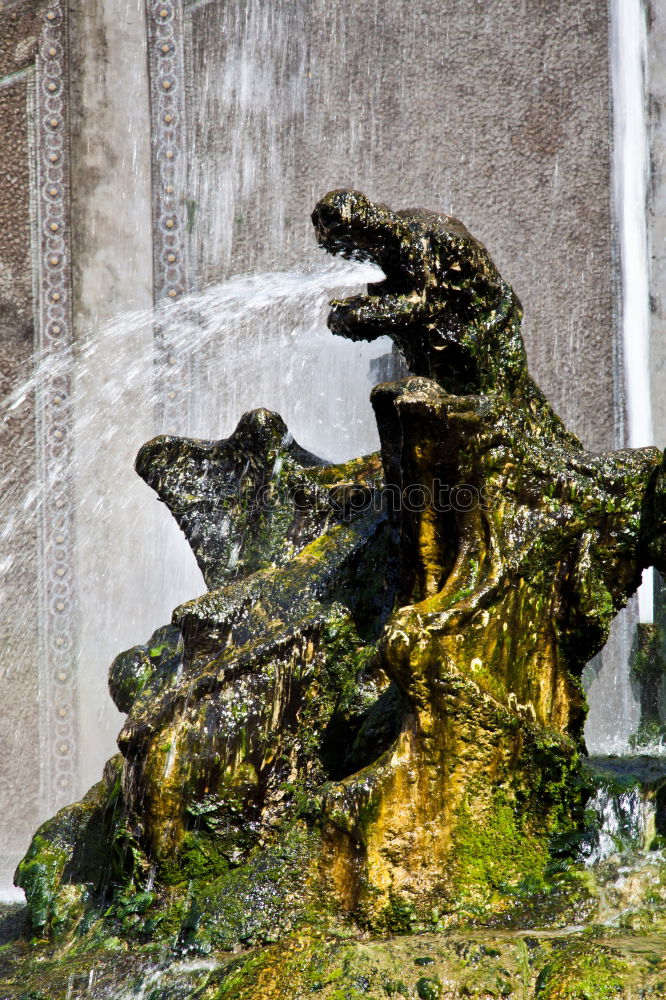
(372, 720)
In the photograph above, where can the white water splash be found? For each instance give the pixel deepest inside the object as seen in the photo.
(10, 895)
(623, 823)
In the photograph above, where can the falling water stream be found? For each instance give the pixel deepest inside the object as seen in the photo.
(265, 342)
(631, 820)
(614, 703)
(629, 55)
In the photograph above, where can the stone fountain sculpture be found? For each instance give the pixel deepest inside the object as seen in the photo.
(373, 718)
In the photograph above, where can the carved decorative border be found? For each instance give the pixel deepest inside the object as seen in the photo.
(167, 100)
(57, 640)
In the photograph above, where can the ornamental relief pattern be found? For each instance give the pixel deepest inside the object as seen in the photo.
(166, 67)
(57, 640)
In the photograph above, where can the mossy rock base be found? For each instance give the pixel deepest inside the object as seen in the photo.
(585, 934)
(479, 965)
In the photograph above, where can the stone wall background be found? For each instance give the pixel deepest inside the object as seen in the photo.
(498, 113)
(657, 211)
(19, 728)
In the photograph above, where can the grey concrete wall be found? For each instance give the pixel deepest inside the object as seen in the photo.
(656, 82)
(496, 113)
(19, 683)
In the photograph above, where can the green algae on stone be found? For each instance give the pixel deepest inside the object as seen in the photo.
(140, 672)
(235, 500)
(584, 971)
(76, 859)
(256, 902)
(475, 965)
(648, 668)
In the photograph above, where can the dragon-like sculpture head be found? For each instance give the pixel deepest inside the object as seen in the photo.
(442, 302)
